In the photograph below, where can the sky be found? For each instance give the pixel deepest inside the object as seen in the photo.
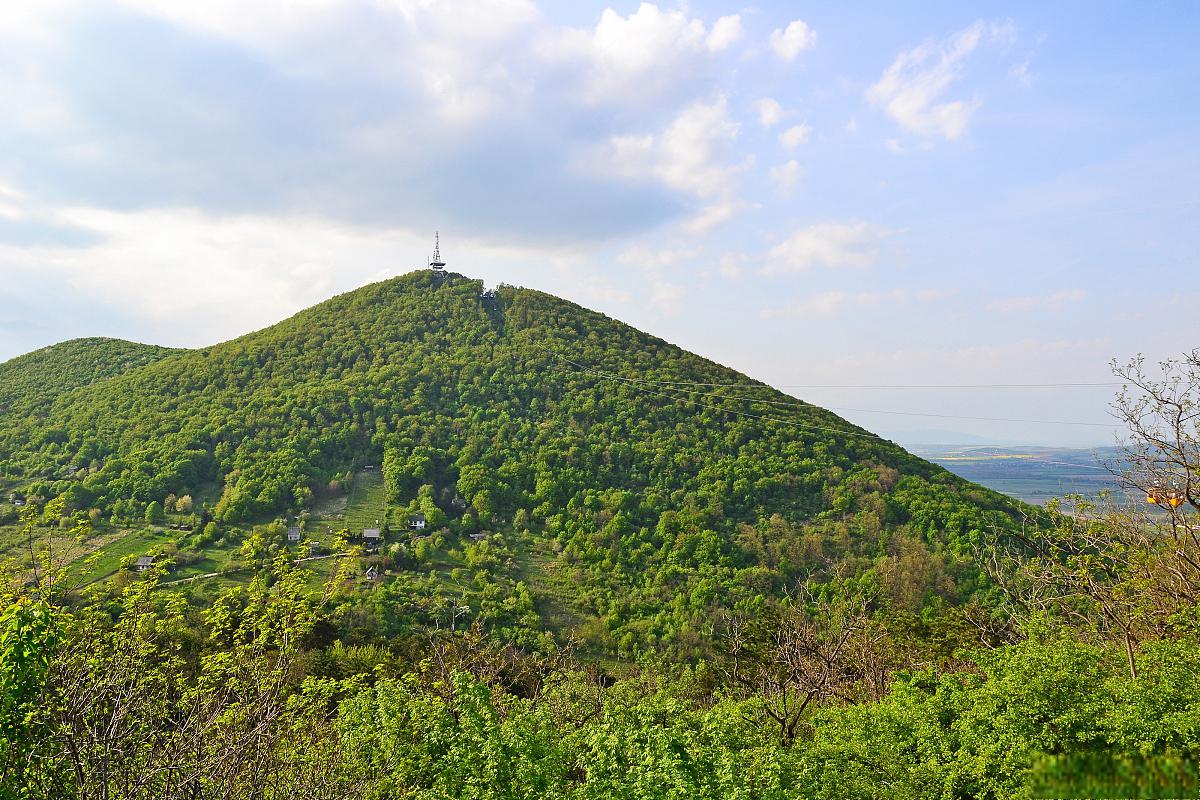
(820, 195)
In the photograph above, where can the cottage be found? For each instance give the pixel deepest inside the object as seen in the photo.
(416, 522)
(293, 535)
(478, 537)
(18, 503)
(144, 563)
(372, 574)
(372, 537)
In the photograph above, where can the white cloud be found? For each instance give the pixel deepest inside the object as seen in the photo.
(460, 55)
(690, 156)
(425, 91)
(690, 149)
(910, 91)
(786, 176)
(730, 265)
(665, 295)
(795, 136)
(1021, 74)
(12, 203)
(629, 48)
(656, 259)
(725, 31)
(275, 25)
(827, 304)
(829, 244)
(830, 303)
(28, 19)
(789, 42)
(470, 58)
(1024, 361)
(712, 216)
(769, 111)
(193, 278)
(1037, 302)
(641, 57)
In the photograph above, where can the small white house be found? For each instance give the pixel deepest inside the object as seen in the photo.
(293, 535)
(144, 563)
(416, 522)
(371, 574)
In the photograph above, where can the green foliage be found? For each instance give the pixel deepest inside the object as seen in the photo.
(34, 380)
(821, 587)
(29, 632)
(149, 698)
(646, 512)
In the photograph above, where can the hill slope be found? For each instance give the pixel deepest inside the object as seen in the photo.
(535, 415)
(35, 378)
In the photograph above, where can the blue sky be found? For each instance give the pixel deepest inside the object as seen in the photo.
(814, 194)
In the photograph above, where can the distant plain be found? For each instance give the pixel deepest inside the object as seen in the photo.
(1032, 474)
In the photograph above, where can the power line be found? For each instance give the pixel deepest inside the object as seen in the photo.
(675, 384)
(978, 419)
(767, 417)
(1103, 384)
(1094, 385)
(783, 420)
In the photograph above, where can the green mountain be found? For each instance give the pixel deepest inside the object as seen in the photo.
(626, 477)
(34, 379)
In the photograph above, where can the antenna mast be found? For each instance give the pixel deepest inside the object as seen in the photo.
(436, 262)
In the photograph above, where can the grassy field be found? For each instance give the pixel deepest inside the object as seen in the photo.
(12, 543)
(554, 592)
(367, 504)
(100, 555)
(109, 555)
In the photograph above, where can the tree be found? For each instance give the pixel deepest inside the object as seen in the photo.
(154, 512)
(795, 658)
(134, 714)
(1127, 571)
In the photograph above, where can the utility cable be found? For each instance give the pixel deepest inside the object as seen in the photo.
(783, 420)
(676, 385)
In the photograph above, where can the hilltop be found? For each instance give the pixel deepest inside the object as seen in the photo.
(32, 380)
(651, 480)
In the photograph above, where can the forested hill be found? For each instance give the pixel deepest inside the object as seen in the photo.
(510, 408)
(36, 378)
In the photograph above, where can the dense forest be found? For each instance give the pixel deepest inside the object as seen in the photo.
(33, 380)
(513, 413)
(641, 574)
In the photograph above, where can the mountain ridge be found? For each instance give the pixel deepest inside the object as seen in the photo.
(515, 413)
(71, 364)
